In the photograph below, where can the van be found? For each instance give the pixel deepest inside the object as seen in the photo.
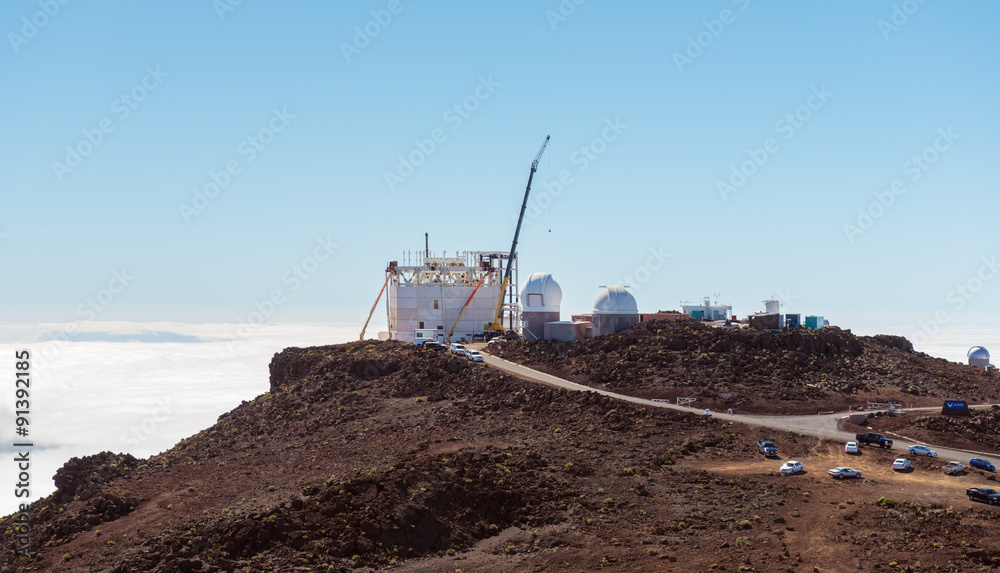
(457, 348)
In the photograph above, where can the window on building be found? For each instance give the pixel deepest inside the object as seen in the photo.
(435, 303)
(421, 325)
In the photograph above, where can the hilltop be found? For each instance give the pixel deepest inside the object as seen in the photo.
(383, 456)
(792, 371)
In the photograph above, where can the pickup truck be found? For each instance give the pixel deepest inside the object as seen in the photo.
(873, 438)
(767, 448)
(952, 468)
(983, 494)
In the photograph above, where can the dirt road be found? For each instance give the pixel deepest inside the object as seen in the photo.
(820, 425)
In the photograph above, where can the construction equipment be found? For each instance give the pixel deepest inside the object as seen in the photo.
(447, 337)
(497, 326)
(388, 275)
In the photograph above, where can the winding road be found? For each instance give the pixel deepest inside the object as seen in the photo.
(819, 425)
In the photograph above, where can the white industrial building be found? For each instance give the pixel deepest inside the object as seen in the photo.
(707, 311)
(428, 292)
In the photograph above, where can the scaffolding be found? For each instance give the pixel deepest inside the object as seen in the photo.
(428, 291)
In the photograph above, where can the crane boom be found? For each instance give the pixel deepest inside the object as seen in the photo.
(496, 325)
(447, 337)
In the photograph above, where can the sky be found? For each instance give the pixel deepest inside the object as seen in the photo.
(212, 161)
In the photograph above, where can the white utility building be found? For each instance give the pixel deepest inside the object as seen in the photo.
(706, 310)
(429, 291)
(540, 300)
(614, 309)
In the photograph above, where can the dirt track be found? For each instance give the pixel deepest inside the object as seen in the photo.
(819, 425)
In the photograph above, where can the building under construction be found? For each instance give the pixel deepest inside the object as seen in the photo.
(426, 294)
(454, 298)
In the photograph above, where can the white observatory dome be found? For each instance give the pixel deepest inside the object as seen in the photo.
(615, 300)
(540, 293)
(978, 357)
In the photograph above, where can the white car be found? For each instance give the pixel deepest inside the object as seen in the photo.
(457, 348)
(842, 472)
(474, 355)
(901, 464)
(922, 451)
(851, 447)
(791, 467)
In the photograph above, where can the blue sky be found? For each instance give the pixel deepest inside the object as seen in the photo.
(309, 134)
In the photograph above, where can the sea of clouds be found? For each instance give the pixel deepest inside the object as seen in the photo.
(135, 388)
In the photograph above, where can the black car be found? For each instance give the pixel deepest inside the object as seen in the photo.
(434, 346)
(984, 494)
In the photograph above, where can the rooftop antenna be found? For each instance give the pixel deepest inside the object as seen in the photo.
(427, 248)
(716, 299)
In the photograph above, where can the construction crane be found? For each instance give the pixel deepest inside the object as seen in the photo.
(447, 337)
(388, 275)
(496, 326)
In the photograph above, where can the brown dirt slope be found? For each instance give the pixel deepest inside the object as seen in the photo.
(382, 456)
(771, 372)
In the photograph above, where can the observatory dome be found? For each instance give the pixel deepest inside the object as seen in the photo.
(540, 293)
(615, 300)
(978, 357)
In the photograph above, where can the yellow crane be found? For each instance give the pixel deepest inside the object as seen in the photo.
(496, 326)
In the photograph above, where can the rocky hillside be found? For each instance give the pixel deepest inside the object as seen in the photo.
(385, 457)
(791, 371)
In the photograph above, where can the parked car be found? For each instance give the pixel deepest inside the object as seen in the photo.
(901, 464)
(767, 448)
(982, 464)
(434, 346)
(952, 468)
(871, 438)
(985, 494)
(842, 472)
(474, 355)
(851, 447)
(457, 348)
(922, 451)
(791, 467)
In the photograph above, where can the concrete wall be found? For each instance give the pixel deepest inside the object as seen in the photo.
(608, 323)
(535, 322)
(566, 331)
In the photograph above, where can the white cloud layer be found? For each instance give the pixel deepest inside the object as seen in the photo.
(90, 395)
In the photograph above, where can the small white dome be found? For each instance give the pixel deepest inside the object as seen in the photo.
(540, 293)
(615, 300)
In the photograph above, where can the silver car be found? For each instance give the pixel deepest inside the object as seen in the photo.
(842, 472)
(922, 451)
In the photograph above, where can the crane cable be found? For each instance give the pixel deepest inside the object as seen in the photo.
(550, 187)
